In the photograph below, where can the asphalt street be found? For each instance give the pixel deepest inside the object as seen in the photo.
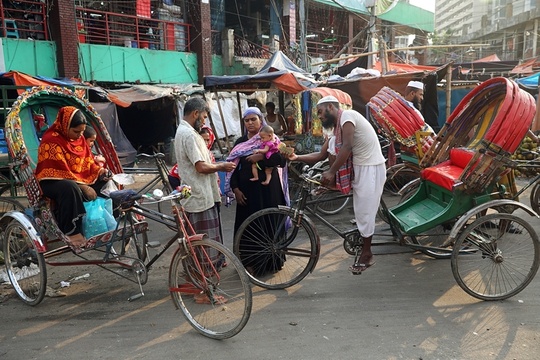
(407, 306)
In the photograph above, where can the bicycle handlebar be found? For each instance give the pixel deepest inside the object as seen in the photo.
(152, 156)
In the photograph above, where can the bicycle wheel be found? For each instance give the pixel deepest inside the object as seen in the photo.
(134, 247)
(276, 250)
(212, 289)
(7, 204)
(399, 175)
(329, 202)
(24, 265)
(535, 197)
(503, 257)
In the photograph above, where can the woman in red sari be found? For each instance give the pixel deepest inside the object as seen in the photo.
(65, 163)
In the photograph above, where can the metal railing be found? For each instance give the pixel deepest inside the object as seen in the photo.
(107, 28)
(246, 48)
(23, 19)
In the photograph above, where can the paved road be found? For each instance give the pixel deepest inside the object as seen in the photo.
(407, 306)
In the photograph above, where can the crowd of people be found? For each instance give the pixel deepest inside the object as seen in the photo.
(70, 173)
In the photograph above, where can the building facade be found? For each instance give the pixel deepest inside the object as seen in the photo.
(180, 41)
(508, 28)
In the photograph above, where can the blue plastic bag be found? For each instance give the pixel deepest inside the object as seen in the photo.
(98, 218)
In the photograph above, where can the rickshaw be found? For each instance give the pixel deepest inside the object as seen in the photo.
(494, 251)
(206, 281)
(398, 122)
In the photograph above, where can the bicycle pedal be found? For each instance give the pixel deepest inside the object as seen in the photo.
(153, 244)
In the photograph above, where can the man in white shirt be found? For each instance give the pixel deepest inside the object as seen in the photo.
(359, 139)
(198, 171)
(414, 95)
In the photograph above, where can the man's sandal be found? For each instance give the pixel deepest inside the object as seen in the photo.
(357, 268)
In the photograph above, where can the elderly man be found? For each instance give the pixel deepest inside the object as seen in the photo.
(359, 140)
(198, 171)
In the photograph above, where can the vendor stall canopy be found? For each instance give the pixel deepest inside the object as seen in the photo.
(279, 73)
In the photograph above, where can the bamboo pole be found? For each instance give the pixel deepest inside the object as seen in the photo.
(223, 122)
(397, 49)
(448, 91)
(240, 112)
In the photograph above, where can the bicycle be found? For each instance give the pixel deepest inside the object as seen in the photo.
(215, 299)
(494, 253)
(328, 202)
(206, 281)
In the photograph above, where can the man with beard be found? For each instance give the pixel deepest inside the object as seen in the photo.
(359, 140)
(198, 171)
(414, 95)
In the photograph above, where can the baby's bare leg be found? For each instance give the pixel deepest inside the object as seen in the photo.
(255, 172)
(268, 172)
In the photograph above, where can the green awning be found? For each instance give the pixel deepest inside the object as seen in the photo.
(402, 14)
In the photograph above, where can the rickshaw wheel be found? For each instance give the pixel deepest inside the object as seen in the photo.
(433, 240)
(535, 197)
(399, 175)
(502, 256)
(24, 265)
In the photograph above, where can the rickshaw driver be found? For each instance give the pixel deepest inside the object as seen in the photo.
(359, 139)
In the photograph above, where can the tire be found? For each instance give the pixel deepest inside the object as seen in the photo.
(7, 204)
(433, 238)
(398, 176)
(24, 265)
(535, 197)
(134, 247)
(330, 206)
(276, 251)
(215, 320)
(502, 260)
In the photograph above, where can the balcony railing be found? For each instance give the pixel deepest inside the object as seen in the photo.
(106, 28)
(246, 48)
(23, 19)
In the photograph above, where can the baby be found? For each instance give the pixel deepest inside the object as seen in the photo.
(269, 147)
(90, 135)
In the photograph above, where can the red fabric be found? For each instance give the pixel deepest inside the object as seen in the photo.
(61, 158)
(461, 157)
(445, 174)
(345, 174)
(143, 8)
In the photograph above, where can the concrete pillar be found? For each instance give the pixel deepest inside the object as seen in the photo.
(227, 46)
(63, 27)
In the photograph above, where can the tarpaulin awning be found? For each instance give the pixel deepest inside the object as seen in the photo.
(279, 73)
(341, 96)
(403, 68)
(137, 93)
(490, 58)
(21, 79)
(363, 89)
(528, 67)
(529, 82)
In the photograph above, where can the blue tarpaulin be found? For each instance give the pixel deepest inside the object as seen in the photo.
(530, 82)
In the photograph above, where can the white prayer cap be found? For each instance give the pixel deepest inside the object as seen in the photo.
(328, 99)
(416, 84)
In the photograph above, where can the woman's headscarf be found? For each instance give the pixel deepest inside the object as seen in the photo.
(62, 158)
(246, 148)
(210, 132)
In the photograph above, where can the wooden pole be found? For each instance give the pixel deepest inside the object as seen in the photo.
(448, 91)
(398, 49)
(223, 122)
(240, 112)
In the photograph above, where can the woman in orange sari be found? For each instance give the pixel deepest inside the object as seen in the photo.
(65, 163)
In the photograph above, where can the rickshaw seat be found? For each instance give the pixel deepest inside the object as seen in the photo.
(448, 173)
